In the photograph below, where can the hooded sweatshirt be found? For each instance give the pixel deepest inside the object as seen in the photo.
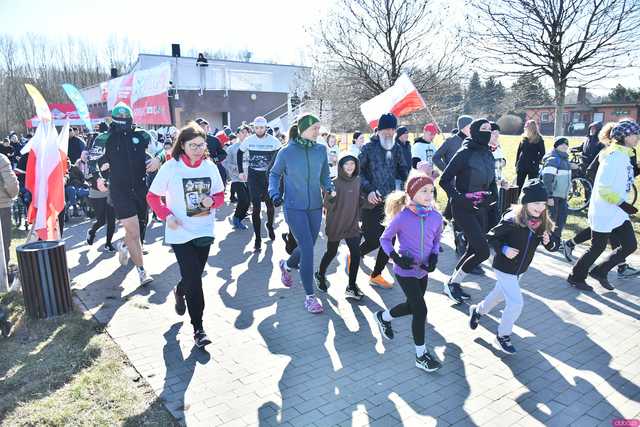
(343, 211)
(592, 145)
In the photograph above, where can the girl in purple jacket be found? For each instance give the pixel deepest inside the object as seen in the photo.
(413, 220)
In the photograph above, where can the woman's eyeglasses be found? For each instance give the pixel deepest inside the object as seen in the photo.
(197, 146)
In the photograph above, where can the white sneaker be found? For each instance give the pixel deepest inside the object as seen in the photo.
(145, 279)
(123, 253)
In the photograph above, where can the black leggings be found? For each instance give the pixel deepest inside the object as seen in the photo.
(258, 184)
(104, 215)
(522, 177)
(192, 260)
(623, 234)
(474, 226)
(372, 229)
(585, 235)
(414, 289)
(242, 195)
(354, 250)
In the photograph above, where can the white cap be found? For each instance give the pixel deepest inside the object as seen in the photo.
(260, 121)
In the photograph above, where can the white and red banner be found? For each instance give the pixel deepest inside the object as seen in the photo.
(400, 99)
(145, 91)
(60, 114)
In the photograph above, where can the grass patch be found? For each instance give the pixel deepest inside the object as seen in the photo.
(68, 371)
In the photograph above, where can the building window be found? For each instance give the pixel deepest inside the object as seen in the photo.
(544, 117)
(598, 117)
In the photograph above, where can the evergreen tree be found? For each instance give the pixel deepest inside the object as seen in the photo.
(474, 97)
(622, 94)
(494, 94)
(528, 90)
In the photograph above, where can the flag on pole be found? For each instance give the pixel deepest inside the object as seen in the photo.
(81, 106)
(42, 109)
(45, 180)
(400, 99)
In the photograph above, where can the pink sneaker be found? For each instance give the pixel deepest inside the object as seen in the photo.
(313, 305)
(285, 276)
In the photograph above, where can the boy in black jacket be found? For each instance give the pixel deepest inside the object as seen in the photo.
(515, 240)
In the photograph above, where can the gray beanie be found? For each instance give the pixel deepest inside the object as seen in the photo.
(464, 121)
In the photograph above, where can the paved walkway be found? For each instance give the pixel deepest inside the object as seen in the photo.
(271, 363)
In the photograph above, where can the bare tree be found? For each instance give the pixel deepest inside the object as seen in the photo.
(367, 44)
(572, 42)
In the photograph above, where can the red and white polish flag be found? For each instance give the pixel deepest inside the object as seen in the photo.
(400, 99)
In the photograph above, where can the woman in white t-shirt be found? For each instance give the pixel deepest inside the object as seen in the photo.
(193, 189)
(608, 210)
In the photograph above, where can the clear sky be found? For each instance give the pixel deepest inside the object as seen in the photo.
(270, 29)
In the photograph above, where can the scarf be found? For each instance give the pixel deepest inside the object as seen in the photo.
(307, 143)
(421, 210)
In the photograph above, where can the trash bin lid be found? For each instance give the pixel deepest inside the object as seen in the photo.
(39, 246)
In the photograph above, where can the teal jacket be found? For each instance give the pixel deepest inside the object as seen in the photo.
(304, 170)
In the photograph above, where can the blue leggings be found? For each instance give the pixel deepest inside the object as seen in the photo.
(305, 226)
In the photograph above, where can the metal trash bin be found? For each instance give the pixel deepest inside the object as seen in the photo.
(44, 278)
(506, 198)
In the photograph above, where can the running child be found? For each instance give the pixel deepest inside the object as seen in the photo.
(342, 223)
(414, 222)
(515, 240)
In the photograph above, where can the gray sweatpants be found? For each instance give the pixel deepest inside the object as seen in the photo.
(507, 288)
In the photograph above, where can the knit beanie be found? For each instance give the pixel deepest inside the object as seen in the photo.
(401, 131)
(464, 121)
(561, 140)
(387, 121)
(533, 191)
(625, 128)
(306, 121)
(416, 182)
(121, 111)
(495, 126)
(474, 129)
(432, 128)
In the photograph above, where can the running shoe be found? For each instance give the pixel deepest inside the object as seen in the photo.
(90, 237)
(452, 291)
(567, 250)
(463, 294)
(353, 292)
(238, 225)
(145, 279)
(322, 281)
(385, 327)
(601, 278)
(578, 284)
(123, 253)
(201, 339)
(380, 281)
(108, 247)
(474, 317)
(312, 304)
(285, 274)
(625, 271)
(180, 305)
(427, 362)
(504, 344)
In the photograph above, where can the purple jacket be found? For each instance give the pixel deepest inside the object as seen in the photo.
(418, 237)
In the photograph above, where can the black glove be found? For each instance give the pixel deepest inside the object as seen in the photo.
(403, 261)
(630, 209)
(433, 260)
(462, 202)
(277, 201)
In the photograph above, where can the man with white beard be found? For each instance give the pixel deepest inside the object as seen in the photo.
(381, 163)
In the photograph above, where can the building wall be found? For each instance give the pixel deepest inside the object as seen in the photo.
(545, 116)
(238, 104)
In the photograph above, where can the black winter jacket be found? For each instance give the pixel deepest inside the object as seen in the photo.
(508, 233)
(529, 155)
(592, 146)
(380, 168)
(126, 154)
(471, 169)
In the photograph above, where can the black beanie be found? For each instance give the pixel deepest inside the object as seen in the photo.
(561, 140)
(401, 131)
(495, 126)
(533, 191)
(387, 121)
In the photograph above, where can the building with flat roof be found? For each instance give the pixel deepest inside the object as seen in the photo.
(223, 92)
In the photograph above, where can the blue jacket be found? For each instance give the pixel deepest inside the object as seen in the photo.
(556, 174)
(305, 170)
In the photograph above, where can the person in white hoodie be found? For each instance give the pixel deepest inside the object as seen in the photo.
(608, 210)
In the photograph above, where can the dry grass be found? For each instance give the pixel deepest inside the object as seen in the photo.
(68, 371)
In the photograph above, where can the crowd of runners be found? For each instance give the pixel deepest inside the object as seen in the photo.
(376, 195)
